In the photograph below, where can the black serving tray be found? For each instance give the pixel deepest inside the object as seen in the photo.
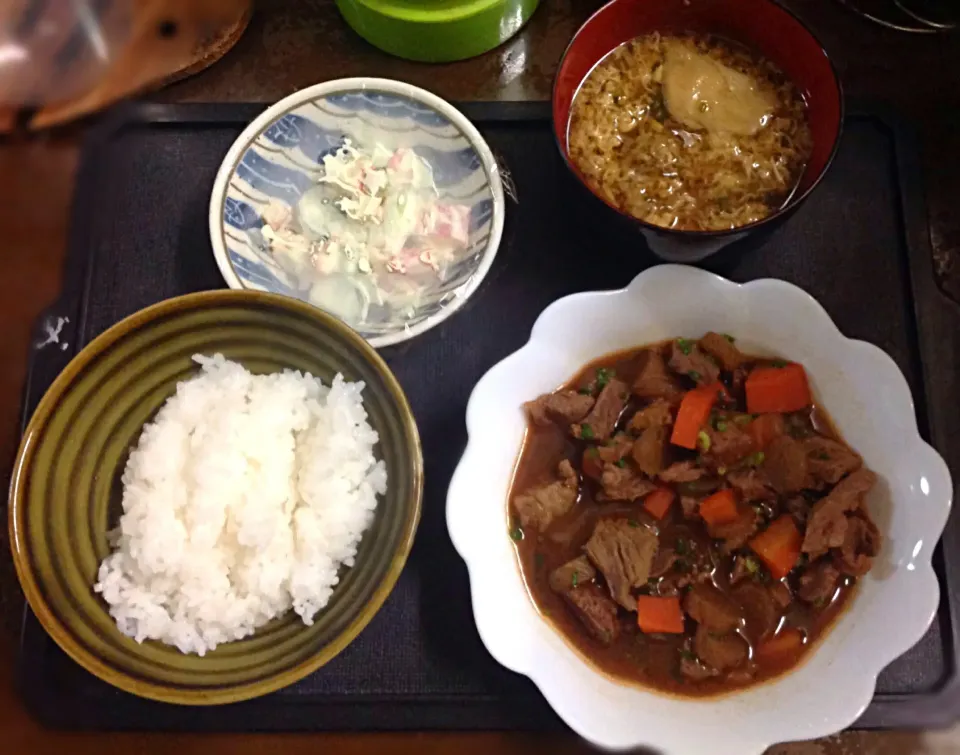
(859, 245)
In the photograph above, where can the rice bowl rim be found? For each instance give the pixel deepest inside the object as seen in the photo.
(22, 469)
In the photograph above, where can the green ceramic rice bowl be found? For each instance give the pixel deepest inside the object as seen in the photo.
(436, 31)
(66, 490)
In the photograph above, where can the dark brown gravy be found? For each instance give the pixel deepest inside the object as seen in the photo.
(648, 660)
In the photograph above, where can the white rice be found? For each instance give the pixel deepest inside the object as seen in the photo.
(242, 499)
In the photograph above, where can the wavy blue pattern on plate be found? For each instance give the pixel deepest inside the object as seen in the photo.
(450, 168)
(296, 131)
(257, 274)
(275, 165)
(271, 178)
(240, 215)
(480, 215)
(388, 106)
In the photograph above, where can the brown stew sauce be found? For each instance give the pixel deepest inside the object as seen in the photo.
(649, 660)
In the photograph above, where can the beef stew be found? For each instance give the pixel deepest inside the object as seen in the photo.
(688, 517)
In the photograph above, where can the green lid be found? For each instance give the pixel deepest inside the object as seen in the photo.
(436, 31)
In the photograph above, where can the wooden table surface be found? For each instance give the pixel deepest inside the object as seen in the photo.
(294, 43)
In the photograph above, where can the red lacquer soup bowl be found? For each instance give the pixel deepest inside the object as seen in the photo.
(761, 25)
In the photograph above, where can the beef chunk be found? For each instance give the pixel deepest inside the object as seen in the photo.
(538, 506)
(752, 485)
(572, 574)
(818, 582)
(690, 506)
(861, 544)
(623, 484)
(682, 471)
(618, 447)
(781, 595)
(562, 407)
(827, 525)
(656, 414)
(648, 450)
(602, 419)
(692, 668)
(799, 508)
(722, 349)
(759, 610)
(829, 461)
(735, 534)
(727, 446)
(624, 554)
(720, 652)
(710, 608)
(663, 562)
(654, 380)
(597, 612)
(687, 359)
(785, 465)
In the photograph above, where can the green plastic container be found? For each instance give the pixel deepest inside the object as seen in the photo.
(436, 31)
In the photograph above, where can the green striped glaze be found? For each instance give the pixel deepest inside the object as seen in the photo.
(66, 490)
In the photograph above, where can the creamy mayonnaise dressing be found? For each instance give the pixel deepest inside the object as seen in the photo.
(372, 235)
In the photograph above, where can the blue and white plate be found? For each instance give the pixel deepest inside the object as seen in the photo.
(279, 156)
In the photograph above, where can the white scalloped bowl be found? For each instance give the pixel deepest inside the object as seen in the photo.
(869, 400)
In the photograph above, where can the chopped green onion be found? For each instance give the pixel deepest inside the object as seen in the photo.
(621, 463)
(743, 419)
(752, 566)
(755, 459)
(703, 440)
(721, 426)
(685, 346)
(730, 338)
(575, 580)
(721, 471)
(517, 534)
(633, 522)
(592, 452)
(586, 432)
(585, 390)
(694, 375)
(603, 377)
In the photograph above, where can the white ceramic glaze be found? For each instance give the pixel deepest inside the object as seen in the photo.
(279, 156)
(867, 396)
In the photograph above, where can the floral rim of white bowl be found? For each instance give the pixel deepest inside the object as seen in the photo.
(893, 606)
(429, 115)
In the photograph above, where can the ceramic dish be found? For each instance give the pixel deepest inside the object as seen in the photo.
(436, 31)
(762, 25)
(66, 489)
(869, 400)
(279, 156)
